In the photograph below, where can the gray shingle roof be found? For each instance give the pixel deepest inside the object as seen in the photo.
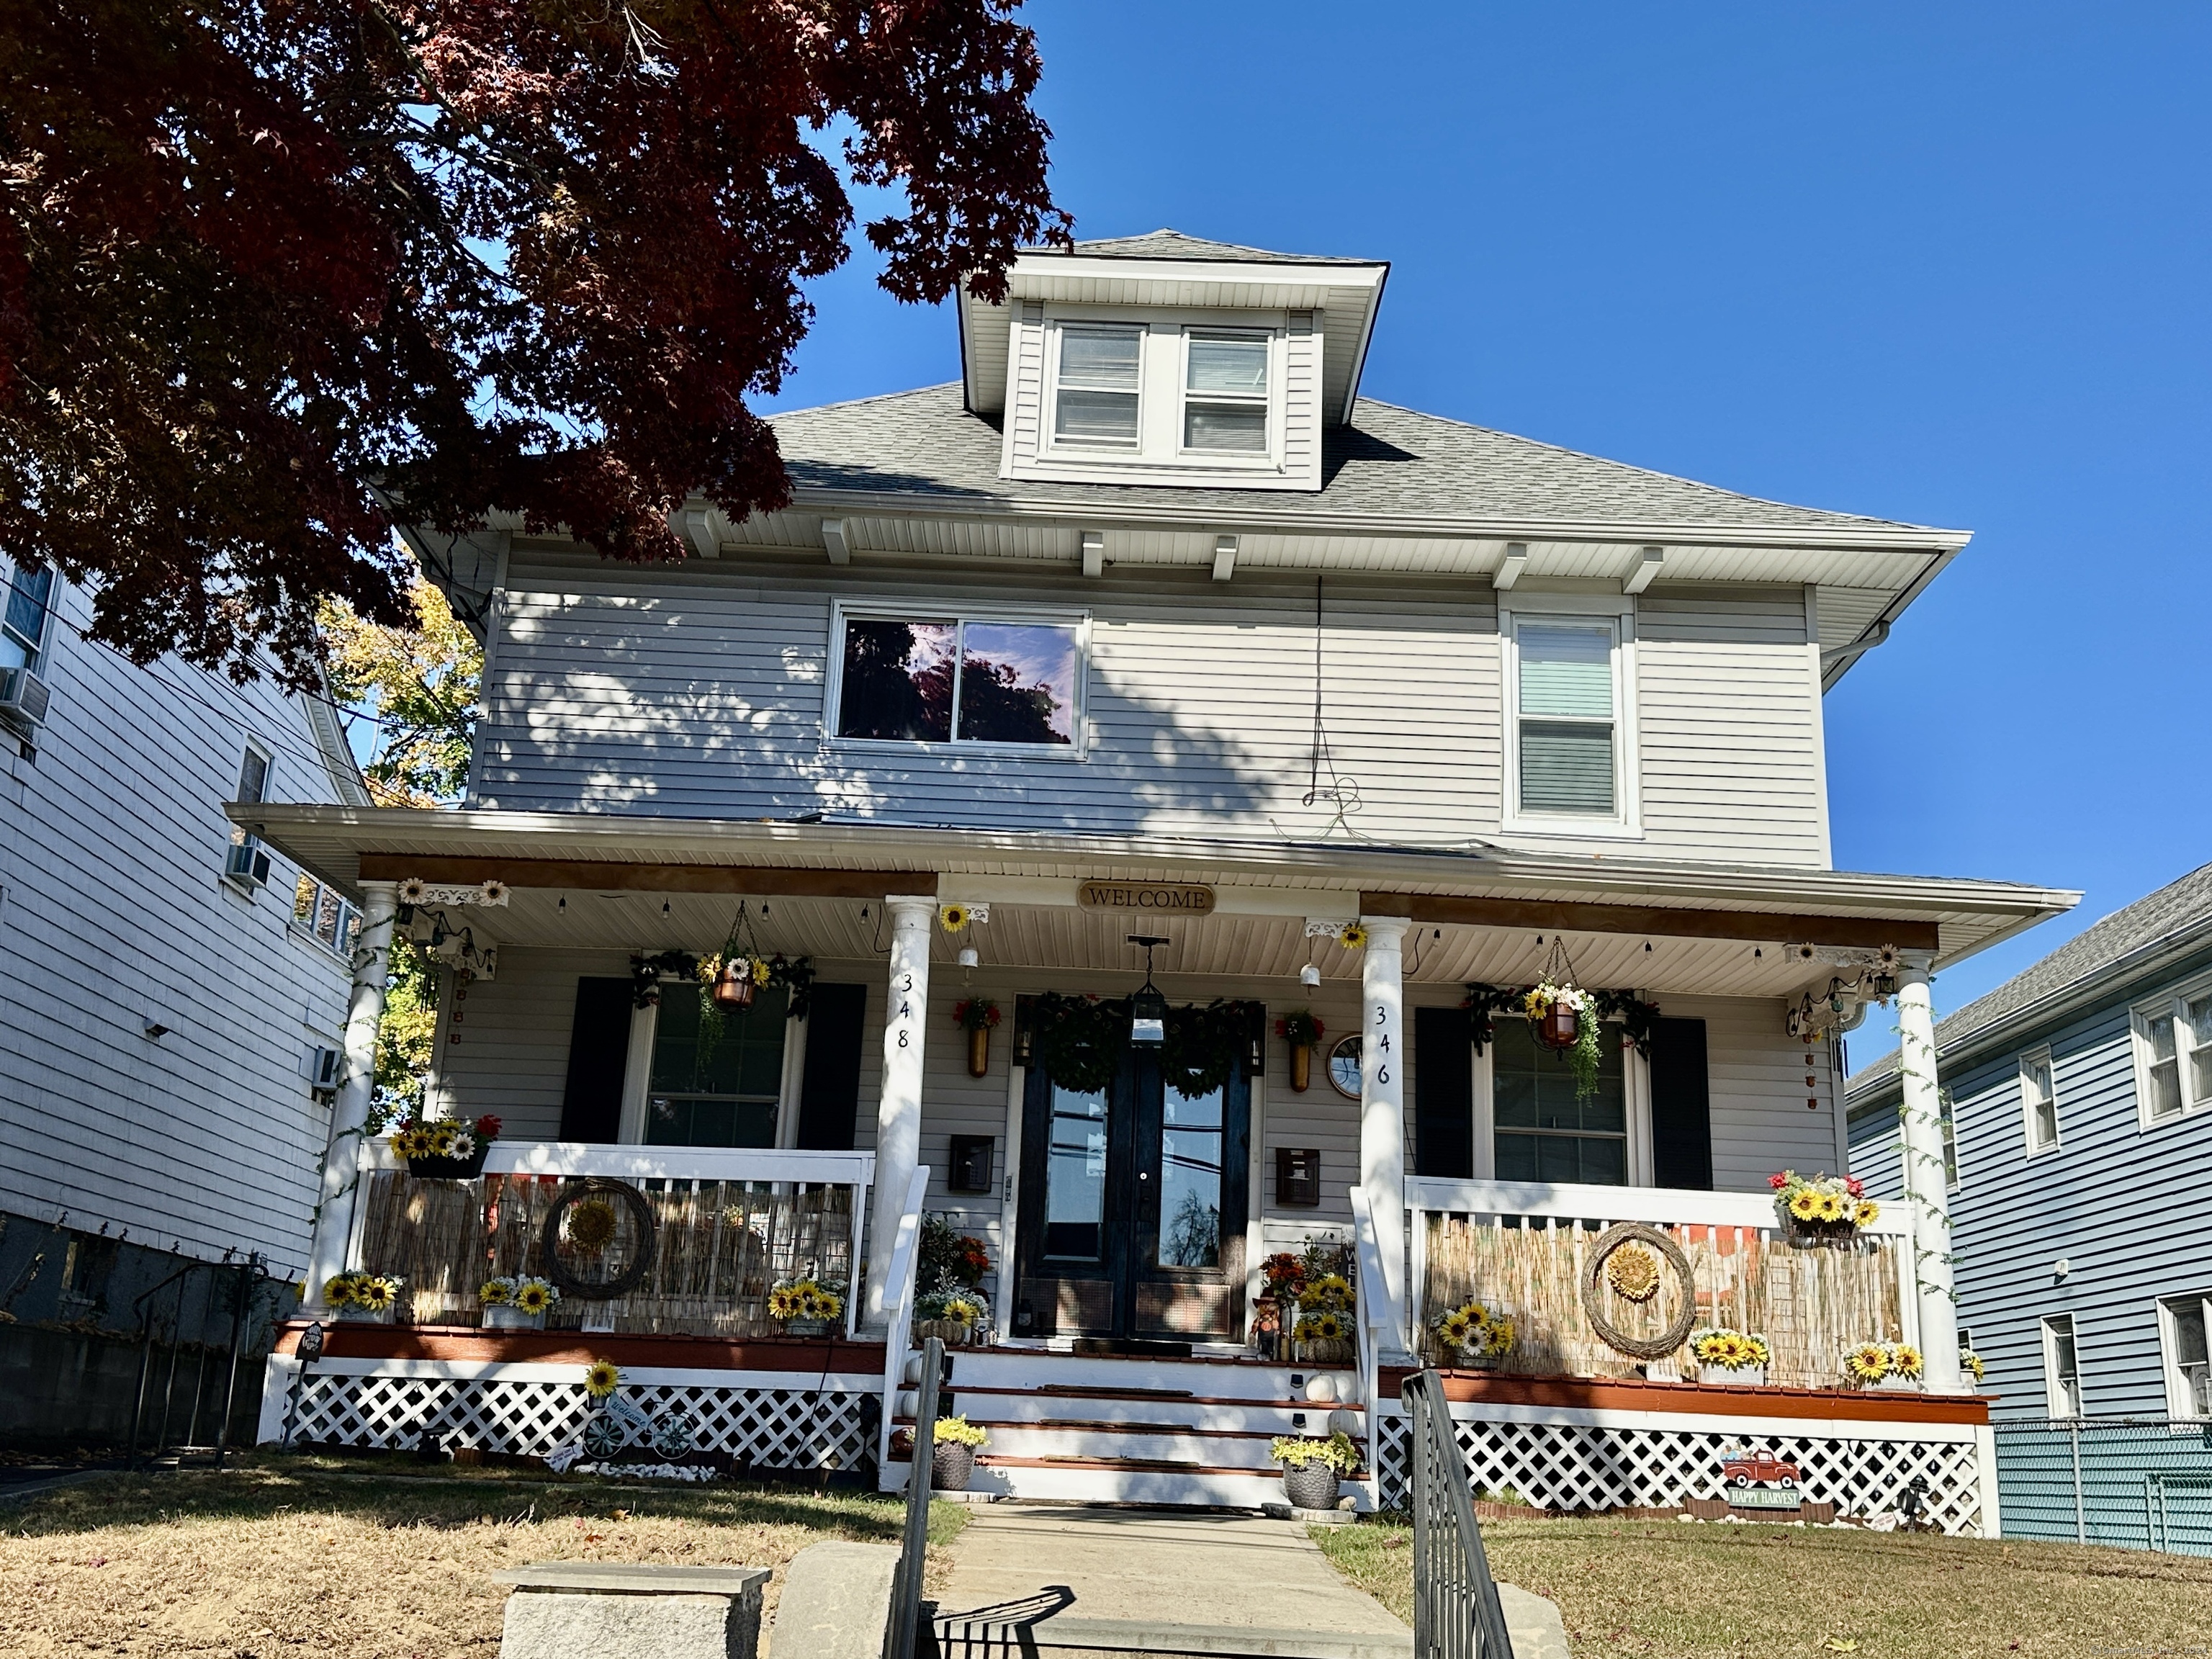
(1164, 244)
(2174, 909)
(1386, 461)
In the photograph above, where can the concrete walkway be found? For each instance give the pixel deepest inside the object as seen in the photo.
(1178, 1573)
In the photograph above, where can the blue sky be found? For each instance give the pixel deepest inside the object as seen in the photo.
(1948, 265)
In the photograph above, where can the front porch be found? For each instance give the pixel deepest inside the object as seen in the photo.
(1126, 1206)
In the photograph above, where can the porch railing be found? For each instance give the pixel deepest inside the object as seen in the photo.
(1370, 1321)
(1456, 1612)
(1524, 1247)
(898, 1304)
(728, 1224)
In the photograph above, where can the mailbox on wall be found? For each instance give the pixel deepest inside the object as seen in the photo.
(1298, 1176)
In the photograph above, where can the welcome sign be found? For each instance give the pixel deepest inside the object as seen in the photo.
(1171, 898)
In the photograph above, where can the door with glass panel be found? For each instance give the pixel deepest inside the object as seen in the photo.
(1131, 1208)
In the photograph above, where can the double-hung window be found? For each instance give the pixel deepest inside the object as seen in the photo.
(1567, 717)
(23, 624)
(1097, 385)
(2173, 1054)
(2038, 1100)
(247, 861)
(1224, 400)
(320, 910)
(2061, 1368)
(2183, 1322)
(981, 679)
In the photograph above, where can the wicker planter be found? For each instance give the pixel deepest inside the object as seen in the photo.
(1748, 1377)
(951, 1466)
(979, 1051)
(950, 1332)
(498, 1317)
(1819, 1235)
(364, 1316)
(1462, 1360)
(451, 1168)
(1310, 1485)
(807, 1328)
(1301, 1067)
(1324, 1353)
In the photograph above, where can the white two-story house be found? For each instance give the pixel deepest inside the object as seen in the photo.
(1151, 660)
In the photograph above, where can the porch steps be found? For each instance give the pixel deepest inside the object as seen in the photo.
(1139, 1429)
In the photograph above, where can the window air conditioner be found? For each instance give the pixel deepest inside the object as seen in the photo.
(321, 1067)
(23, 696)
(248, 862)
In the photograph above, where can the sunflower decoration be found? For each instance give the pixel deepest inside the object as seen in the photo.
(492, 892)
(591, 1224)
(337, 1292)
(1973, 1362)
(374, 1292)
(1832, 1208)
(534, 1295)
(1805, 1205)
(1632, 1270)
(1330, 1293)
(1326, 1326)
(1500, 1341)
(414, 891)
(1466, 1327)
(1352, 936)
(601, 1378)
(954, 918)
(1905, 1360)
(1867, 1363)
(496, 1293)
(1865, 1212)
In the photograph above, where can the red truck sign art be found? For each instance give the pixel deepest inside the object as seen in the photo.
(1760, 1469)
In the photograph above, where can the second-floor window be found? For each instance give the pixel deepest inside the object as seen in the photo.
(1224, 403)
(1567, 717)
(952, 679)
(23, 625)
(2173, 1054)
(2038, 1100)
(320, 910)
(1096, 404)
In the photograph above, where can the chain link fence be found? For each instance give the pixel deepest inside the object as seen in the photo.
(2139, 1483)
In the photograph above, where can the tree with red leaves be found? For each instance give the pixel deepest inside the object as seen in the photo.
(275, 273)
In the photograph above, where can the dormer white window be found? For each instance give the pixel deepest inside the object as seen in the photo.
(1224, 403)
(1570, 728)
(1099, 387)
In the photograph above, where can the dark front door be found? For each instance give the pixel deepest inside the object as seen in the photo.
(1133, 1207)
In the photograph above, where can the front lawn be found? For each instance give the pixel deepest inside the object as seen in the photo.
(376, 1560)
(1686, 1591)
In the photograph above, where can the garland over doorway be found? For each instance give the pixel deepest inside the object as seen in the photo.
(1080, 1040)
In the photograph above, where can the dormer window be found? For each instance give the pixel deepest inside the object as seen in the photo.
(1224, 410)
(1100, 368)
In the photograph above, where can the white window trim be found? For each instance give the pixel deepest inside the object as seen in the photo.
(1635, 1101)
(909, 609)
(1074, 449)
(2050, 1064)
(2178, 1401)
(35, 660)
(305, 931)
(1271, 457)
(1626, 823)
(2175, 1003)
(2054, 1401)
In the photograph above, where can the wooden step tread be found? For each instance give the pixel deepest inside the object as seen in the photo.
(1092, 1391)
(1086, 1426)
(1070, 1391)
(1156, 1465)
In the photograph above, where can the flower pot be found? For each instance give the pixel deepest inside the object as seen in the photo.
(1310, 1485)
(951, 1466)
(950, 1332)
(1319, 1352)
(1476, 1362)
(1560, 1026)
(499, 1317)
(1301, 1067)
(1893, 1383)
(1819, 1235)
(1721, 1375)
(979, 1051)
(734, 987)
(811, 1327)
(364, 1316)
(451, 1168)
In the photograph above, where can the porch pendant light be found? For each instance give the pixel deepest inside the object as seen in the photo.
(1148, 1009)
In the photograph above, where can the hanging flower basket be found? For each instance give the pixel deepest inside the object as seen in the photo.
(735, 985)
(1561, 1023)
(445, 1149)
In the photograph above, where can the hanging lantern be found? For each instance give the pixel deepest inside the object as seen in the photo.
(1148, 1008)
(733, 987)
(1560, 1026)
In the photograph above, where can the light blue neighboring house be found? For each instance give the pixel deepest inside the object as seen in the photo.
(2080, 1129)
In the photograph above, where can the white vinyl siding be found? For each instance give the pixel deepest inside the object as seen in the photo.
(2173, 1054)
(2038, 1100)
(2062, 1367)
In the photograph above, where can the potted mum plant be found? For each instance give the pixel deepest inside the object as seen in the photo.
(445, 1149)
(977, 1016)
(1730, 1356)
(1303, 1032)
(1480, 1336)
(517, 1302)
(364, 1298)
(805, 1306)
(1313, 1469)
(1822, 1209)
(952, 1453)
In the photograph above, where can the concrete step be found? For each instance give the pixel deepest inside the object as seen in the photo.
(1073, 1637)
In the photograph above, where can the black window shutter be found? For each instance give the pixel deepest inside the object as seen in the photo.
(598, 1054)
(829, 1098)
(1682, 1107)
(1444, 1094)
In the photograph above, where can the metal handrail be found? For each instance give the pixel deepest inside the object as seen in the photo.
(903, 1629)
(1457, 1613)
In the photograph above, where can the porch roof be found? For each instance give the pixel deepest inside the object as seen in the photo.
(1662, 920)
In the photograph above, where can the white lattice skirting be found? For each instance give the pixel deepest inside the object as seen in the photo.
(1597, 1464)
(768, 1427)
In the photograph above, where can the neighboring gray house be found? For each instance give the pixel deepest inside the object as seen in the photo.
(168, 987)
(2080, 1092)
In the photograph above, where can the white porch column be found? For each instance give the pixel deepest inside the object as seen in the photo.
(1924, 1180)
(898, 1116)
(1382, 1115)
(372, 967)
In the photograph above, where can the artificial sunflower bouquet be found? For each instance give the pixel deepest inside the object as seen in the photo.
(1479, 1334)
(805, 1302)
(363, 1295)
(1738, 1356)
(1884, 1365)
(517, 1300)
(1823, 1208)
(445, 1148)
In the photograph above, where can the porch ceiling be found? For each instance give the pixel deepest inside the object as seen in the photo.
(1477, 911)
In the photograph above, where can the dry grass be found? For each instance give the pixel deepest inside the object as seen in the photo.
(299, 1556)
(1680, 1591)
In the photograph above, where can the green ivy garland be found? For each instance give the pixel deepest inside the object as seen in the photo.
(1639, 1020)
(1080, 1040)
(645, 973)
(1199, 1053)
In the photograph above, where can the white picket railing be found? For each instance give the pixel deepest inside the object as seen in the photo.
(898, 1294)
(1369, 1321)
